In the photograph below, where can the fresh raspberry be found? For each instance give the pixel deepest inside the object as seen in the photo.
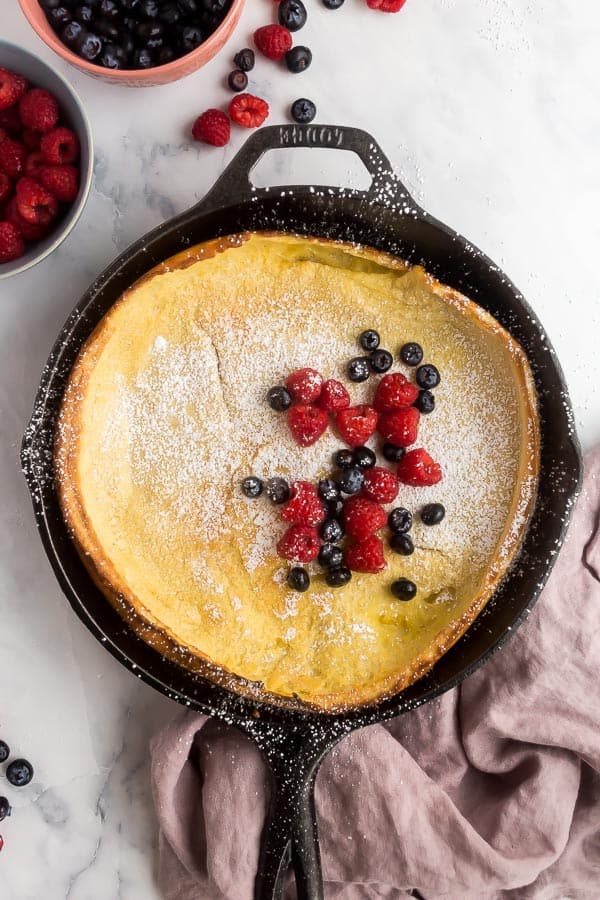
(305, 385)
(380, 485)
(10, 119)
(35, 203)
(389, 6)
(11, 243)
(212, 127)
(60, 146)
(300, 543)
(62, 181)
(394, 392)
(273, 41)
(22, 84)
(307, 424)
(5, 186)
(26, 229)
(400, 427)
(38, 110)
(12, 157)
(248, 111)
(34, 164)
(10, 90)
(334, 396)
(31, 139)
(363, 517)
(305, 507)
(3, 134)
(356, 424)
(418, 469)
(366, 556)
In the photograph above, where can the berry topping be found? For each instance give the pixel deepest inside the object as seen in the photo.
(364, 457)
(356, 424)
(366, 556)
(380, 361)
(244, 60)
(35, 203)
(306, 423)
(403, 589)
(402, 544)
(330, 556)
(394, 392)
(369, 339)
(380, 485)
(9, 88)
(12, 157)
(38, 110)
(400, 427)
(331, 531)
(418, 469)
(298, 59)
(303, 110)
(19, 772)
(400, 520)
(4, 751)
(363, 517)
(343, 459)
(292, 14)
(278, 490)
(279, 398)
(425, 402)
(5, 809)
(428, 376)
(300, 543)
(332, 4)
(298, 579)
(411, 354)
(237, 80)
(62, 181)
(273, 41)
(387, 6)
(60, 146)
(351, 480)
(432, 514)
(359, 368)
(248, 111)
(328, 489)
(338, 576)
(252, 486)
(305, 507)
(305, 385)
(212, 127)
(334, 396)
(392, 453)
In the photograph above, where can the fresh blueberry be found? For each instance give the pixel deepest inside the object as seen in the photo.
(108, 30)
(359, 368)
(428, 376)
(303, 110)
(109, 9)
(402, 543)
(142, 59)
(279, 398)
(166, 55)
(351, 480)
(432, 514)
(188, 7)
(19, 772)
(403, 589)
(380, 361)
(5, 809)
(333, 4)
(328, 489)
(59, 17)
(425, 402)
(331, 531)
(113, 57)
(334, 508)
(392, 453)
(191, 37)
(298, 579)
(244, 60)
(49, 4)
(89, 46)
(298, 59)
(145, 31)
(330, 556)
(71, 33)
(278, 490)
(343, 459)
(149, 8)
(128, 5)
(292, 14)
(237, 80)
(411, 354)
(369, 339)
(84, 13)
(4, 751)
(400, 520)
(169, 14)
(252, 486)
(364, 457)
(338, 576)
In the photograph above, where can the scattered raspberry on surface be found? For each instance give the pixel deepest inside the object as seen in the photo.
(305, 385)
(356, 424)
(306, 423)
(388, 6)
(60, 146)
(394, 392)
(212, 127)
(334, 396)
(248, 111)
(39, 111)
(380, 485)
(273, 41)
(366, 556)
(400, 427)
(305, 506)
(300, 543)
(418, 469)
(10, 90)
(363, 517)
(12, 245)
(12, 157)
(62, 181)
(35, 203)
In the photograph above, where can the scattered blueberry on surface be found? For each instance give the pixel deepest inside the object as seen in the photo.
(400, 520)
(403, 589)
(338, 576)
(392, 453)
(4, 751)
(351, 480)
(428, 376)
(364, 457)
(425, 402)
(343, 459)
(369, 340)
(359, 368)
(334, 508)
(252, 486)
(5, 808)
(303, 110)
(328, 489)
(244, 60)
(331, 531)
(380, 361)
(292, 14)
(278, 490)
(19, 772)
(279, 398)
(330, 556)
(298, 59)
(298, 579)
(332, 4)
(432, 514)
(411, 354)
(402, 543)
(237, 80)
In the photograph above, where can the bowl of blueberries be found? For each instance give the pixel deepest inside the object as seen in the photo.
(134, 42)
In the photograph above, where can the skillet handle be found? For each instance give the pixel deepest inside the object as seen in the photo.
(234, 184)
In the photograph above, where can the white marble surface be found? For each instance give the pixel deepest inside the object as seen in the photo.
(490, 109)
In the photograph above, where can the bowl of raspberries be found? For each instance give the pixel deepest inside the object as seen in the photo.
(46, 159)
(134, 42)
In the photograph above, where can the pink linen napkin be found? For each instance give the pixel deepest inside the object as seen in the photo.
(491, 791)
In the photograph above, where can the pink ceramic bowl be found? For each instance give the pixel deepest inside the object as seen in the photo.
(173, 71)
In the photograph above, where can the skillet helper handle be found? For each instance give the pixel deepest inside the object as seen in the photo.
(234, 185)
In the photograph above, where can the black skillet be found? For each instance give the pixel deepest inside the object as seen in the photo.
(295, 740)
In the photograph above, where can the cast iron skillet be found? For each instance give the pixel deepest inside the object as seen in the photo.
(295, 740)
